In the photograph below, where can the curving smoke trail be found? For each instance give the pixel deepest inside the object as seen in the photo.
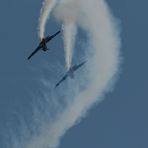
(48, 5)
(96, 77)
(95, 18)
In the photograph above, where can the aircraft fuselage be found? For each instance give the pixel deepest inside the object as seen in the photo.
(71, 73)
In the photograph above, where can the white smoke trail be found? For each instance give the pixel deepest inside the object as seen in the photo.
(69, 30)
(99, 73)
(69, 23)
(48, 5)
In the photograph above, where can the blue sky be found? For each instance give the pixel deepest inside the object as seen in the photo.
(120, 120)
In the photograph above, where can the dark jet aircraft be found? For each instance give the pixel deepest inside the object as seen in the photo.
(70, 73)
(42, 45)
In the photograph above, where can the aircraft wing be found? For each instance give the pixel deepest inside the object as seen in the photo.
(78, 66)
(48, 38)
(34, 52)
(63, 79)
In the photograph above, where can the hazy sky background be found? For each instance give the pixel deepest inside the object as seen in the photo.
(120, 121)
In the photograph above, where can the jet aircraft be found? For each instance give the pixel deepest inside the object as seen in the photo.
(70, 73)
(42, 45)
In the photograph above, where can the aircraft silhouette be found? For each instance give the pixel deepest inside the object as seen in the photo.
(70, 73)
(42, 45)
